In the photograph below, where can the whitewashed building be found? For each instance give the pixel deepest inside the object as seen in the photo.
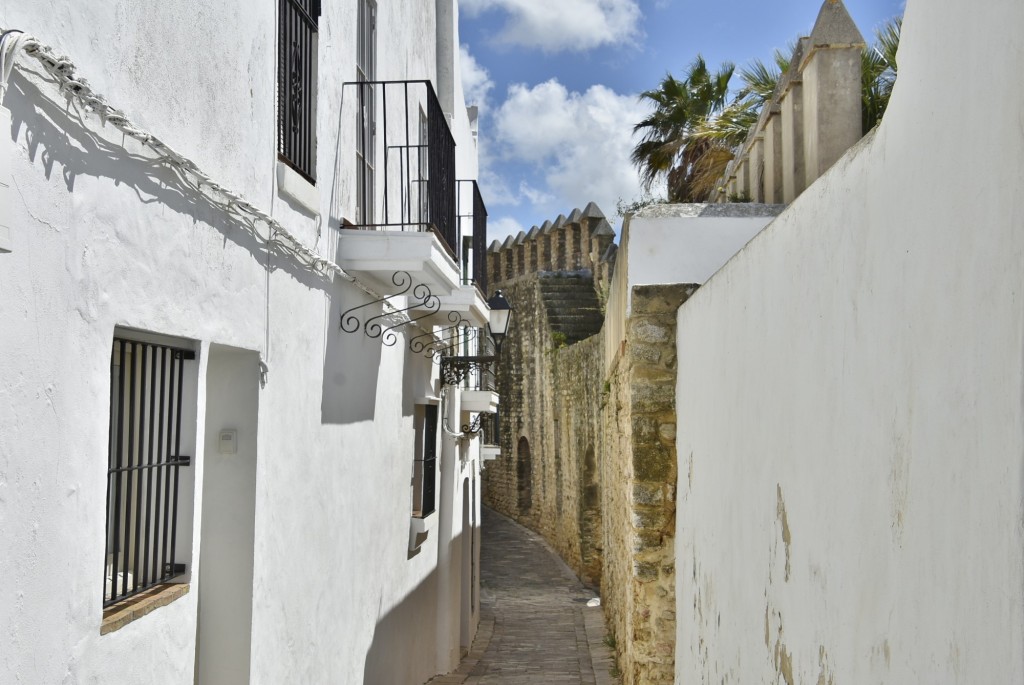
(226, 454)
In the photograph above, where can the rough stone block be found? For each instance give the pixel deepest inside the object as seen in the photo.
(645, 572)
(650, 518)
(653, 397)
(654, 464)
(648, 494)
(647, 540)
(667, 431)
(650, 354)
(645, 429)
(650, 332)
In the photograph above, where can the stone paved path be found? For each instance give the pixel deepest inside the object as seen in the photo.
(535, 625)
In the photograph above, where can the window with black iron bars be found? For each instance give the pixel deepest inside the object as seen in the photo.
(144, 465)
(298, 22)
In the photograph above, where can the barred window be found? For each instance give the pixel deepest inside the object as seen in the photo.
(147, 472)
(296, 85)
(425, 464)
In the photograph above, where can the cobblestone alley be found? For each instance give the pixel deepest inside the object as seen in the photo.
(535, 626)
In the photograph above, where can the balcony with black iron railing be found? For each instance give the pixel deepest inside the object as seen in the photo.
(410, 212)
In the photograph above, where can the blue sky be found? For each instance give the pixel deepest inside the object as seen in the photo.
(557, 80)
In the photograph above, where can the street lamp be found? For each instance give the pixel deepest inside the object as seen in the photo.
(500, 317)
(455, 369)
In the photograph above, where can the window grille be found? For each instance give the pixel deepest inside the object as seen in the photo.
(143, 465)
(296, 85)
(424, 477)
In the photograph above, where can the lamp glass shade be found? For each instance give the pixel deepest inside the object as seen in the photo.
(500, 316)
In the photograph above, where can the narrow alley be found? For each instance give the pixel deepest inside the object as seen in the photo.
(535, 627)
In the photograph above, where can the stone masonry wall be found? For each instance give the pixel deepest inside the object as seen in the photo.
(588, 458)
(638, 583)
(547, 475)
(578, 379)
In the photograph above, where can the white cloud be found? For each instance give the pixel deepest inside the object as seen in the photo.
(534, 196)
(476, 81)
(579, 143)
(502, 227)
(563, 25)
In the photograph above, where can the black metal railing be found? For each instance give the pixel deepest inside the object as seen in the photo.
(296, 89)
(473, 227)
(143, 465)
(424, 475)
(414, 186)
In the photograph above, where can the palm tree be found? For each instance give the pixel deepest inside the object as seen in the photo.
(878, 72)
(725, 132)
(668, 146)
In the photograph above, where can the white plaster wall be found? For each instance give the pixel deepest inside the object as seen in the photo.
(686, 249)
(850, 398)
(102, 238)
(675, 244)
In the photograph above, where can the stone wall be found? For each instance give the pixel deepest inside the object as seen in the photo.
(550, 379)
(588, 453)
(550, 383)
(638, 417)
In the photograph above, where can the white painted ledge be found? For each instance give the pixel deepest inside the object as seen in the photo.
(482, 401)
(419, 529)
(489, 452)
(375, 256)
(297, 189)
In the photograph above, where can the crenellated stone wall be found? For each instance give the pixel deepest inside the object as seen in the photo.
(581, 242)
(813, 117)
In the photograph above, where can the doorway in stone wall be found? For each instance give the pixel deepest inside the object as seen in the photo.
(524, 475)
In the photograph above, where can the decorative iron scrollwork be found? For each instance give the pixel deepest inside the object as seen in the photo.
(444, 343)
(473, 427)
(421, 305)
(295, 97)
(350, 323)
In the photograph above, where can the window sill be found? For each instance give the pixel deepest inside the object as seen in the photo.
(121, 614)
(419, 529)
(297, 189)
